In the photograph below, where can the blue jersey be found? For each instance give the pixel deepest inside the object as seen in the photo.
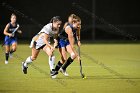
(63, 37)
(10, 40)
(12, 28)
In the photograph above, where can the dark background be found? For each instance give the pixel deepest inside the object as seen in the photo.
(101, 19)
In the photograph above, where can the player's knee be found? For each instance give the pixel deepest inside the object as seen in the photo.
(73, 55)
(14, 49)
(50, 54)
(33, 58)
(7, 51)
(48, 51)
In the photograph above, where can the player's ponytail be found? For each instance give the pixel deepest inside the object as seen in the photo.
(55, 19)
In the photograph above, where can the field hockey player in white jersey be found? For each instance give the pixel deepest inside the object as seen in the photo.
(42, 41)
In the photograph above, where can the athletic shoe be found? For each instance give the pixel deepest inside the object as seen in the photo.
(64, 72)
(24, 69)
(53, 77)
(52, 71)
(6, 62)
(54, 74)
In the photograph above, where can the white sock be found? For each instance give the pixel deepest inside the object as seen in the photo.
(51, 62)
(28, 60)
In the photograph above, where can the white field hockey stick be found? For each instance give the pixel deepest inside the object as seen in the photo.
(13, 33)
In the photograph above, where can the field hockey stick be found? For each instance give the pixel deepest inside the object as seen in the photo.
(13, 33)
(81, 71)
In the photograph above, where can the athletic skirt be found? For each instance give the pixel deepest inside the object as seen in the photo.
(63, 43)
(9, 40)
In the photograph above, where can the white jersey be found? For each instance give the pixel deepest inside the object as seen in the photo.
(47, 29)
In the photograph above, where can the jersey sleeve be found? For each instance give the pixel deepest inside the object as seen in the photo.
(45, 30)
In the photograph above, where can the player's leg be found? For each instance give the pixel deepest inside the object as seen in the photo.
(63, 58)
(49, 52)
(13, 49)
(7, 49)
(62, 51)
(30, 59)
(70, 59)
(60, 63)
(7, 42)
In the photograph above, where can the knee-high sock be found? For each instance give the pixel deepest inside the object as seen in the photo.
(6, 56)
(51, 62)
(68, 62)
(12, 51)
(58, 66)
(28, 60)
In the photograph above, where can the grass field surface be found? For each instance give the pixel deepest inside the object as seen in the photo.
(109, 68)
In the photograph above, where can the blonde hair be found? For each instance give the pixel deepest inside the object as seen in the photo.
(77, 19)
(72, 15)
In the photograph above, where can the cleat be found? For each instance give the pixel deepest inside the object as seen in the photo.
(6, 62)
(53, 77)
(24, 69)
(54, 74)
(64, 72)
(51, 72)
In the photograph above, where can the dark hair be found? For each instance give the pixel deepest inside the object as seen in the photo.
(55, 19)
(13, 14)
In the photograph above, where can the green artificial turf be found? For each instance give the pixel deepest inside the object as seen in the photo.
(109, 68)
